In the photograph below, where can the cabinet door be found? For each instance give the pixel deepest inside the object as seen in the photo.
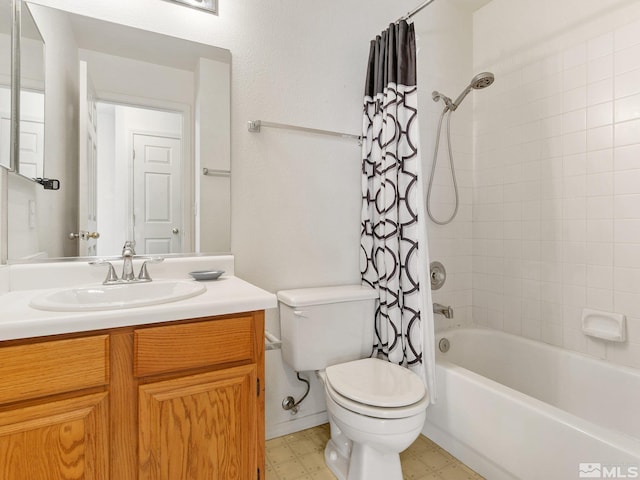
(61, 440)
(200, 427)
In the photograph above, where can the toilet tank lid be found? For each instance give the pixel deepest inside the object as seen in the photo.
(302, 297)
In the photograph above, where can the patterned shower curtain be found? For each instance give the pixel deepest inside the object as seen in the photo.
(394, 258)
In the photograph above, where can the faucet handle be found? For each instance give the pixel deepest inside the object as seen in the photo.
(129, 245)
(144, 273)
(112, 277)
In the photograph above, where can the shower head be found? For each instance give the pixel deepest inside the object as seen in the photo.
(480, 81)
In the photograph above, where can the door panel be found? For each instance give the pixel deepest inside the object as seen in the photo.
(157, 194)
(62, 440)
(201, 426)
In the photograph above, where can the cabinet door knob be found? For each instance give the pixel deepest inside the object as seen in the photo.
(175, 230)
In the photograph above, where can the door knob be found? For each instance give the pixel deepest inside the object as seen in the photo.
(175, 231)
(83, 235)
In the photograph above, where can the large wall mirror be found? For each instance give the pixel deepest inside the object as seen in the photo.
(128, 135)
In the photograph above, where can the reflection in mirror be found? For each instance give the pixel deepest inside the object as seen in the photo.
(5, 83)
(131, 119)
(32, 86)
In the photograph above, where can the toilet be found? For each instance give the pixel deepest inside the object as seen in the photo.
(376, 409)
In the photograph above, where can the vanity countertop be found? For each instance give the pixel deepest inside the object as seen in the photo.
(226, 295)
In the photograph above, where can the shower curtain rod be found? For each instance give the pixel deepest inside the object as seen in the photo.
(254, 126)
(416, 10)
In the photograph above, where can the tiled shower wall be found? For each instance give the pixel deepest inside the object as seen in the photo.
(444, 64)
(556, 212)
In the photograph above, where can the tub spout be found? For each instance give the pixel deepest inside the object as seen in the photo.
(446, 311)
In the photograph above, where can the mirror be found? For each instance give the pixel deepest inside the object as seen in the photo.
(5, 83)
(131, 120)
(32, 84)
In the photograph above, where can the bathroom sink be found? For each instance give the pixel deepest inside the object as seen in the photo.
(112, 297)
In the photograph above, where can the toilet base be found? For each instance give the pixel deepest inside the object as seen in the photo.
(336, 460)
(364, 463)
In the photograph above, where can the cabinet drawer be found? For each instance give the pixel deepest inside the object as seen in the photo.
(48, 368)
(174, 348)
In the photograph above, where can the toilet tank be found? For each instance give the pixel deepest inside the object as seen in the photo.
(326, 325)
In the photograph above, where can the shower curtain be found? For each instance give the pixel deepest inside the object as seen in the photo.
(394, 258)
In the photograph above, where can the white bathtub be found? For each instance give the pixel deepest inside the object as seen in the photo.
(515, 408)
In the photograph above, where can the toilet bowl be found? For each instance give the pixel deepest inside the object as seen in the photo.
(376, 409)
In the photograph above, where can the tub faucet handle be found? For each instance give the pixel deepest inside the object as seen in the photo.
(447, 311)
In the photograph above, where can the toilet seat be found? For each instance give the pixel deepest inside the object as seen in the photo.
(376, 388)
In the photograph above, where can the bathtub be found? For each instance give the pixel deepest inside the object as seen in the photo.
(510, 408)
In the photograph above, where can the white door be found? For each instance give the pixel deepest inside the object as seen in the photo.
(157, 197)
(87, 206)
(31, 149)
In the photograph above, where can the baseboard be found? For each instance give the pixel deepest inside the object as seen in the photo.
(295, 425)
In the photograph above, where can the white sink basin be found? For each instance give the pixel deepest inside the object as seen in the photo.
(112, 297)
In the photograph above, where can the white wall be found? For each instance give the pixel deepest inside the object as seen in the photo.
(56, 210)
(557, 180)
(22, 194)
(213, 151)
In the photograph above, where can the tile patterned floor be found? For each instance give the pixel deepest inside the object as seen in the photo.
(300, 456)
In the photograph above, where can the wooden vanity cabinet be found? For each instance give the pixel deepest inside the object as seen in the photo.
(175, 401)
(54, 409)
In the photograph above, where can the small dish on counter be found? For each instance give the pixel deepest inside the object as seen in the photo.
(202, 275)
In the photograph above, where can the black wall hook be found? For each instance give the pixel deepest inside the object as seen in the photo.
(49, 183)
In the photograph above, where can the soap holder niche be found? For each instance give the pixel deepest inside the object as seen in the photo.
(605, 325)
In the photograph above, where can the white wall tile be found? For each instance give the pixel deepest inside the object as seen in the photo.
(627, 133)
(600, 115)
(600, 161)
(600, 46)
(627, 206)
(574, 56)
(627, 108)
(600, 91)
(600, 138)
(627, 157)
(566, 136)
(626, 231)
(627, 182)
(627, 35)
(627, 59)
(599, 69)
(627, 83)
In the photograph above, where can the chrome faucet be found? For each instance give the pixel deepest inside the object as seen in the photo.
(128, 251)
(446, 311)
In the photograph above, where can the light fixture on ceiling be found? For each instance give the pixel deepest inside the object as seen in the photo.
(210, 6)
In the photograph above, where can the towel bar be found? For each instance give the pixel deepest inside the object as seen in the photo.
(271, 342)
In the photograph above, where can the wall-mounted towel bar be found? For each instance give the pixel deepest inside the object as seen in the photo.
(271, 342)
(215, 173)
(254, 126)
